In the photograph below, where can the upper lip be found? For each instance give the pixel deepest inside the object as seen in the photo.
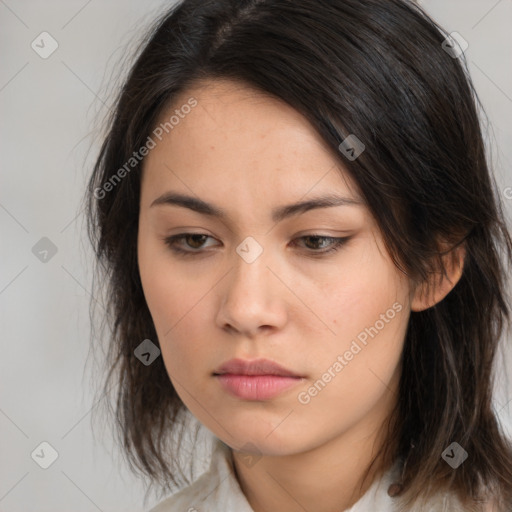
(256, 367)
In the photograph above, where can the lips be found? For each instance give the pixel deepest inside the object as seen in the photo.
(259, 380)
(257, 367)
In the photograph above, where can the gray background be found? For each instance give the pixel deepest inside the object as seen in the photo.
(49, 137)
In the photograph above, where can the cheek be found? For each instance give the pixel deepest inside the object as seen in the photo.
(368, 307)
(175, 301)
(365, 287)
(358, 368)
(165, 292)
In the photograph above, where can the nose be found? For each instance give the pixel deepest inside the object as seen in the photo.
(253, 298)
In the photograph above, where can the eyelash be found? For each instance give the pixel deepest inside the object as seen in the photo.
(171, 241)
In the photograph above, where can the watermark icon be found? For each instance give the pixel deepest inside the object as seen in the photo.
(249, 249)
(507, 192)
(455, 45)
(351, 147)
(454, 455)
(44, 455)
(44, 45)
(44, 250)
(146, 352)
(250, 454)
(138, 156)
(304, 397)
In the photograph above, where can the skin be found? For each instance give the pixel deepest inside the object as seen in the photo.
(248, 153)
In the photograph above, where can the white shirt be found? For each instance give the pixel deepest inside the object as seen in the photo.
(218, 490)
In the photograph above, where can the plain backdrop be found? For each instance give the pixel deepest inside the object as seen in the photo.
(50, 110)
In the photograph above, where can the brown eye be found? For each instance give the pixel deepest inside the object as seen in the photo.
(194, 241)
(336, 243)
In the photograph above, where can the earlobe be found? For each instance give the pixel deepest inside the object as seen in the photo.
(438, 286)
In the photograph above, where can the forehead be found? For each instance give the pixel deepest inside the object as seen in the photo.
(239, 140)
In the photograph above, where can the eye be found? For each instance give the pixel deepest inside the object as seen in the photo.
(198, 240)
(335, 242)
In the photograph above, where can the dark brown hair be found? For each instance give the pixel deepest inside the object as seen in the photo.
(376, 69)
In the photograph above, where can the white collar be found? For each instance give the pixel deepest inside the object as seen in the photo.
(218, 490)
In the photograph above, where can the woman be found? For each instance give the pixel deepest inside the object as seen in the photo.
(301, 242)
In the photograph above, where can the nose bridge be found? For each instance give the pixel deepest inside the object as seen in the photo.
(250, 296)
(250, 273)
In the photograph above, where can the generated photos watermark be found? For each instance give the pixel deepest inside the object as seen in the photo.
(151, 143)
(305, 397)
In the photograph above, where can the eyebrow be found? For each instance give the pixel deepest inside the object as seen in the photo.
(278, 214)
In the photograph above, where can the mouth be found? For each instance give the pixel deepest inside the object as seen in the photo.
(256, 367)
(261, 379)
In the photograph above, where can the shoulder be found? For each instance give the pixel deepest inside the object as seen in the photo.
(188, 498)
(445, 502)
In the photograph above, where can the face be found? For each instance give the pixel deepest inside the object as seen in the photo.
(310, 289)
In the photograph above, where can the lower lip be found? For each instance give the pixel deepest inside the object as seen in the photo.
(256, 387)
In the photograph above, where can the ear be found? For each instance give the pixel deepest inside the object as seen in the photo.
(438, 285)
